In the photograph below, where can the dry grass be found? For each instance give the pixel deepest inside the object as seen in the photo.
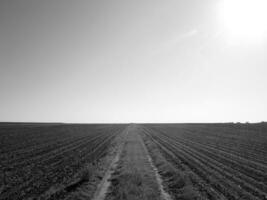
(131, 185)
(133, 179)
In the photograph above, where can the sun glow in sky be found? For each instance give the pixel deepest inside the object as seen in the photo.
(133, 60)
(244, 20)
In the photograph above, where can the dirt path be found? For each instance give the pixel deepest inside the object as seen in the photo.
(164, 194)
(135, 176)
(104, 185)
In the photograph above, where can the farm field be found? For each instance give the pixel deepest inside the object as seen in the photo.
(133, 161)
(43, 159)
(217, 161)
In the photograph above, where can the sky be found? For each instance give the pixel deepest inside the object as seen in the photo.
(111, 61)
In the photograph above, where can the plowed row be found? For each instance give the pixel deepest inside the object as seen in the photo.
(223, 161)
(35, 158)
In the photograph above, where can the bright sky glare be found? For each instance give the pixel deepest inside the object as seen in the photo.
(133, 61)
(244, 20)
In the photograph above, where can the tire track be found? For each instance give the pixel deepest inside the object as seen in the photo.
(164, 194)
(134, 162)
(104, 185)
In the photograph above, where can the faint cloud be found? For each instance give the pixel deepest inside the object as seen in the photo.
(190, 33)
(182, 37)
(176, 40)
